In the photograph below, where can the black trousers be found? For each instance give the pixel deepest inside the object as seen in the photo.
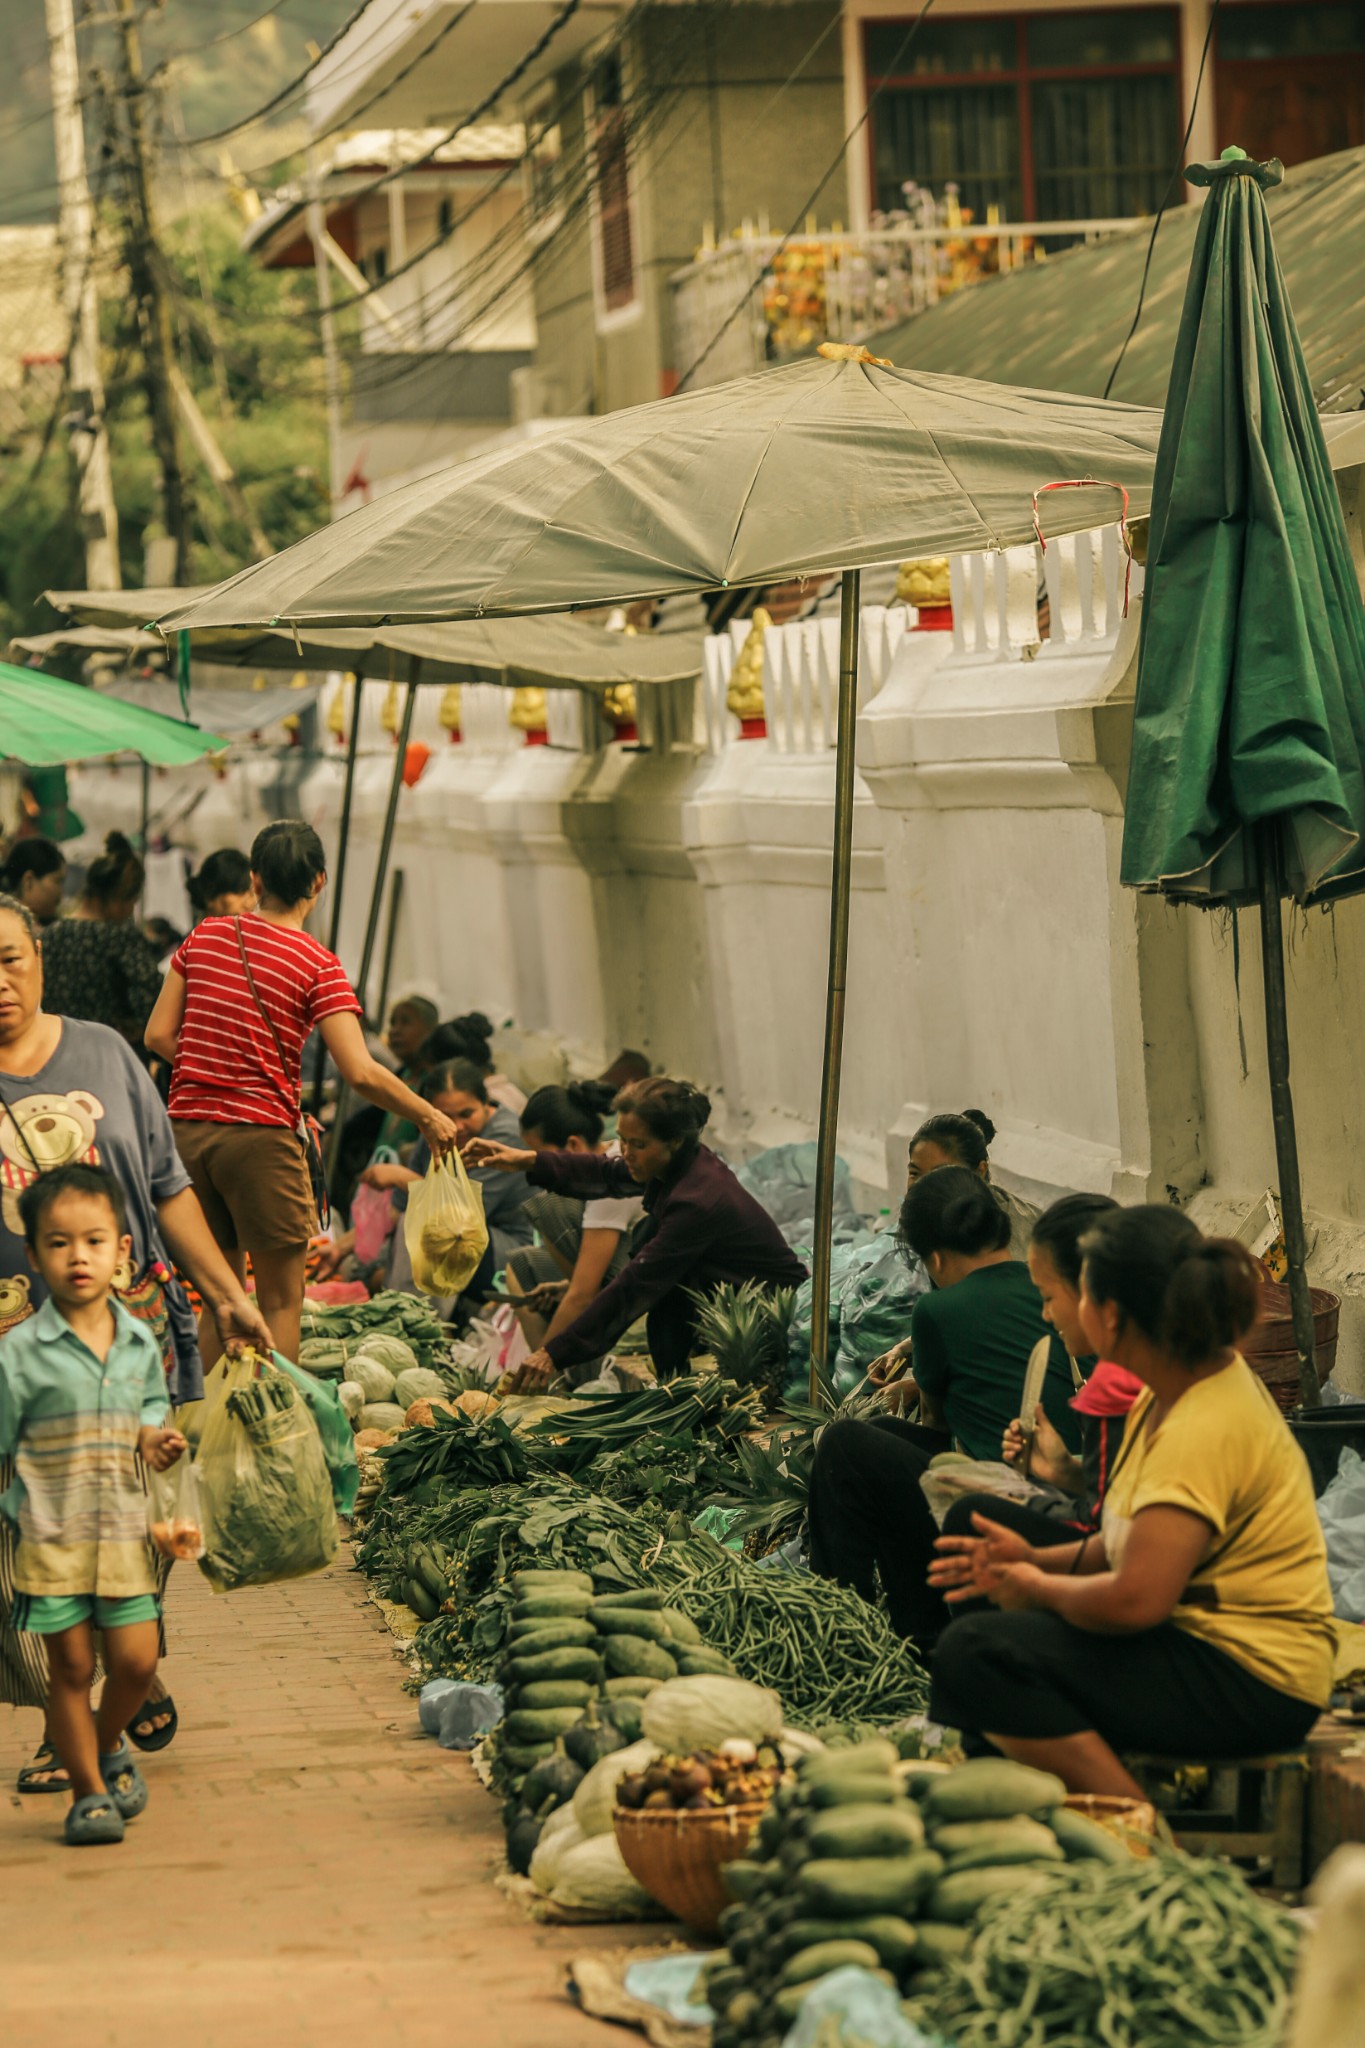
(1034, 1676)
(869, 1519)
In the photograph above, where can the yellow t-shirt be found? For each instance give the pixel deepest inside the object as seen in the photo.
(1261, 1594)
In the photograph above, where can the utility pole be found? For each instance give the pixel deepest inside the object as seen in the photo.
(317, 235)
(143, 256)
(90, 439)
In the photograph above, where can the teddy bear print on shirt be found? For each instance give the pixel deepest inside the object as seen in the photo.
(38, 1133)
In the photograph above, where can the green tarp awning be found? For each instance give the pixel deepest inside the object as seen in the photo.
(45, 721)
(1060, 324)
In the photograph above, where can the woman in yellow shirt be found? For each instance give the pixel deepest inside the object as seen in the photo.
(1198, 1622)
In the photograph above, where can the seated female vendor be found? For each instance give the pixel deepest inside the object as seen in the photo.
(1071, 1489)
(972, 1338)
(583, 1245)
(1199, 1621)
(700, 1228)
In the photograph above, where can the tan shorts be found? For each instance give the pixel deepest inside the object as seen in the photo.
(252, 1182)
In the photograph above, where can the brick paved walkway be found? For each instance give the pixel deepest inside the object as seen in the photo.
(311, 1869)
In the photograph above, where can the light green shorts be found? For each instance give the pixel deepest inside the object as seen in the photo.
(47, 1614)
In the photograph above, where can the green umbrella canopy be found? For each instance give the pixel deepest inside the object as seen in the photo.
(820, 465)
(44, 721)
(1251, 667)
(548, 653)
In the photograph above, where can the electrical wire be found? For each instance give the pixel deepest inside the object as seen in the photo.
(227, 35)
(286, 92)
(803, 214)
(1165, 200)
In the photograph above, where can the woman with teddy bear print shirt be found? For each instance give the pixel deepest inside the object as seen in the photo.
(71, 1090)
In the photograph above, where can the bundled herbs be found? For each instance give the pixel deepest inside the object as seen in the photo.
(678, 1409)
(1160, 1953)
(829, 1655)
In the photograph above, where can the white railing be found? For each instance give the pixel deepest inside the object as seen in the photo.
(839, 287)
(800, 677)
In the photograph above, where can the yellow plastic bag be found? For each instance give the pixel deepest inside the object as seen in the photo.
(444, 1228)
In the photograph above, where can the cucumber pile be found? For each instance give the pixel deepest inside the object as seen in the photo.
(863, 1860)
(568, 1646)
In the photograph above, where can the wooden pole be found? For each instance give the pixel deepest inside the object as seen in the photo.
(840, 897)
(338, 879)
(386, 838)
(1282, 1110)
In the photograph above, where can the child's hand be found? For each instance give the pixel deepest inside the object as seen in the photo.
(160, 1447)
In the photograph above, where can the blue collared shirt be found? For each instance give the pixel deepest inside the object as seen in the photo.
(71, 1421)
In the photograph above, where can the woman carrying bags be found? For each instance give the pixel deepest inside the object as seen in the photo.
(240, 999)
(700, 1228)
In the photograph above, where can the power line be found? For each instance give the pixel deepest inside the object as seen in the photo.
(1165, 200)
(805, 210)
(286, 92)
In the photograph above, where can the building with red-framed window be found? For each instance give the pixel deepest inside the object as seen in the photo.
(1061, 110)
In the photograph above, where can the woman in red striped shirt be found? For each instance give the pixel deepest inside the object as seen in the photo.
(240, 999)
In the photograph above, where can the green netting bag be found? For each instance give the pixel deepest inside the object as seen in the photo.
(264, 1483)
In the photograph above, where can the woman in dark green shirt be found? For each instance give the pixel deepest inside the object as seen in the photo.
(971, 1339)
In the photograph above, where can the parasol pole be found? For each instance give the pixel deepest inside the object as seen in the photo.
(343, 847)
(386, 838)
(381, 871)
(1282, 1108)
(841, 890)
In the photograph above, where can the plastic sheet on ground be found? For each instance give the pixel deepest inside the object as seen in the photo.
(1341, 1511)
(600, 1983)
(467, 1713)
(852, 2009)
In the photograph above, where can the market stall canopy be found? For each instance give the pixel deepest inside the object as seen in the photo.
(126, 642)
(1251, 668)
(45, 722)
(814, 467)
(545, 653)
(1061, 324)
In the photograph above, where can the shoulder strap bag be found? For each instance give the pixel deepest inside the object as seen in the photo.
(306, 1128)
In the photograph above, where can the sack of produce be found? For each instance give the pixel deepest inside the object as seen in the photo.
(880, 1288)
(444, 1228)
(265, 1489)
(783, 1180)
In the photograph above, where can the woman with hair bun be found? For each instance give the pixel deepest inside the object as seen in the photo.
(96, 963)
(1199, 1620)
(471, 1038)
(700, 1229)
(223, 886)
(972, 1338)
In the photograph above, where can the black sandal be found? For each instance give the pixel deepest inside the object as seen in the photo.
(46, 1765)
(160, 1738)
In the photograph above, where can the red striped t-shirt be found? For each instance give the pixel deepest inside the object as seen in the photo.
(227, 1070)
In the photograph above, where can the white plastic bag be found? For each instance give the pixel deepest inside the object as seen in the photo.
(444, 1229)
(175, 1514)
(941, 1485)
(1341, 1511)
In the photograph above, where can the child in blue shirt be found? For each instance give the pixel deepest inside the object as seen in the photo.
(82, 1391)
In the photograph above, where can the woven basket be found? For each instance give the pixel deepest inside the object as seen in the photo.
(1131, 1821)
(678, 1857)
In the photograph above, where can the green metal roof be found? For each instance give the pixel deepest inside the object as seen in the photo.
(1059, 325)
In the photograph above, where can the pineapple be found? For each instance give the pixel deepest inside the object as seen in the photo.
(745, 1330)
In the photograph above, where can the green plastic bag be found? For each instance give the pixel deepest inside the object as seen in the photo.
(338, 1443)
(264, 1484)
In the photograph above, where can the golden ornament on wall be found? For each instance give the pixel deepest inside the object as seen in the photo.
(924, 583)
(449, 711)
(529, 710)
(745, 694)
(390, 717)
(618, 701)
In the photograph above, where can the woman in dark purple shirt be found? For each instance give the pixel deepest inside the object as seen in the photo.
(700, 1228)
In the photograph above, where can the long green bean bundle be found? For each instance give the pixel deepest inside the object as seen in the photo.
(1163, 1953)
(828, 1654)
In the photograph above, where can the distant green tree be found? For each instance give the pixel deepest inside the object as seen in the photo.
(249, 350)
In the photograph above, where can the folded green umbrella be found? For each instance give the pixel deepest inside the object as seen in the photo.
(45, 721)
